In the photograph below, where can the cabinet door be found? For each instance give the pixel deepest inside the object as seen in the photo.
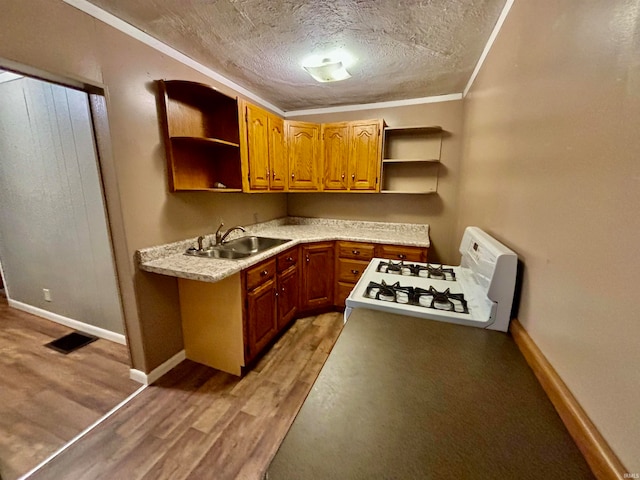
(288, 282)
(317, 275)
(365, 154)
(258, 147)
(335, 155)
(303, 149)
(261, 317)
(277, 158)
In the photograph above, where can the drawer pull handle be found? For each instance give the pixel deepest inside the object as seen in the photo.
(264, 272)
(355, 252)
(355, 272)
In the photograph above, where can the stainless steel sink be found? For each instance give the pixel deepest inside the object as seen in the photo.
(217, 252)
(253, 245)
(242, 247)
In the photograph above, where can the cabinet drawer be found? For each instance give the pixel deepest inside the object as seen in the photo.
(260, 273)
(342, 292)
(402, 252)
(355, 250)
(287, 258)
(350, 270)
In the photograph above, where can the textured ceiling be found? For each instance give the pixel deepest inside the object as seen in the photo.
(404, 49)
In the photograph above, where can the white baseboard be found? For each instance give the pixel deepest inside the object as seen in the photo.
(70, 322)
(156, 373)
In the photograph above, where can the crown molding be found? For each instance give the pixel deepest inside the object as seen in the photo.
(487, 47)
(371, 106)
(136, 33)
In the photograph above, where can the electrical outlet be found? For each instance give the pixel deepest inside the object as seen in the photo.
(47, 294)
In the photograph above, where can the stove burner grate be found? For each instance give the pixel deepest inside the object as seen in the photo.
(431, 298)
(415, 270)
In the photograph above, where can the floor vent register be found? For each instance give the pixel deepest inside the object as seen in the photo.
(71, 342)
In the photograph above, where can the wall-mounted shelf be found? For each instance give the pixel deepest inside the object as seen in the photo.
(202, 137)
(411, 159)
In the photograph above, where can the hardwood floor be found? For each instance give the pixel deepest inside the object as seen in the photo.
(200, 423)
(47, 398)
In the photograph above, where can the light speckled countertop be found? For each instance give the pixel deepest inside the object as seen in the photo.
(170, 260)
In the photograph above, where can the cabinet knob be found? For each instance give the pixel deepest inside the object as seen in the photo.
(277, 294)
(353, 176)
(355, 272)
(355, 252)
(402, 256)
(289, 259)
(273, 173)
(268, 173)
(283, 289)
(308, 259)
(264, 272)
(293, 176)
(343, 176)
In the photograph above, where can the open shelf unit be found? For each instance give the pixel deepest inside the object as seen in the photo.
(202, 137)
(411, 158)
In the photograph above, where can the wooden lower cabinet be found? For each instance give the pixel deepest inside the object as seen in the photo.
(402, 252)
(288, 291)
(317, 283)
(271, 300)
(226, 324)
(261, 321)
(353, 257)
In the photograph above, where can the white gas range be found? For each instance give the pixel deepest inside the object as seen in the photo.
(479, 292)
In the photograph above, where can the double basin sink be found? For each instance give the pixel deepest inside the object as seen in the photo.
(242, 247)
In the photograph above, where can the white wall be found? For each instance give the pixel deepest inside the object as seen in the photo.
(53, 231)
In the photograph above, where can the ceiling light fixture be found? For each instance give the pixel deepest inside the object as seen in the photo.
(331, 67)
(328, 71)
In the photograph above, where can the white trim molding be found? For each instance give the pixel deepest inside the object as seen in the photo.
(136, 33)
(371, 106)
(148, 378)
(69, 322)
(487, 47)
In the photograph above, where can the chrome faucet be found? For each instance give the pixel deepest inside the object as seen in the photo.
(200, 242)
(220, 237)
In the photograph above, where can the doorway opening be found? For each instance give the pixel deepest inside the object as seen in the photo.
(58, 270)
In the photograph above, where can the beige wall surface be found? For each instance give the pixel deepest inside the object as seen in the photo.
(56, 38)
(550, 167)
(438, 210)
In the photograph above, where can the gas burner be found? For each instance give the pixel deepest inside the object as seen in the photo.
(432, 298)
(395, 293)
(416, 270)
(389, 293)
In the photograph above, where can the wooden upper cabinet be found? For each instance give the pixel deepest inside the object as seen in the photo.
(263, 150)
(335, 153)
(202, 137)
(351, 154)
(257, 147)
(277, 154)
(303, 146)
(365, 154)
